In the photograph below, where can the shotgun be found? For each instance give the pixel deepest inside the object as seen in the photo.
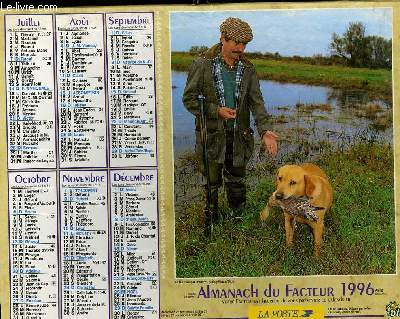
(208, 223)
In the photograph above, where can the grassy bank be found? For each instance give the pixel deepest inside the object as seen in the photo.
(377, 81)
(359, 232)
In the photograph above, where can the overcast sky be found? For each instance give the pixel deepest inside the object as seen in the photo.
(303, 32)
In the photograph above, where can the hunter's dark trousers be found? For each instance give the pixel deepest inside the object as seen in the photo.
(233, 178)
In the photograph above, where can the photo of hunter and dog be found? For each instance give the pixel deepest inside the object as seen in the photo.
(283, 142)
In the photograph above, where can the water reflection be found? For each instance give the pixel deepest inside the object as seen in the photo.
(316, 115)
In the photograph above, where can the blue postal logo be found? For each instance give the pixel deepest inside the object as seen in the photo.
(393, 309)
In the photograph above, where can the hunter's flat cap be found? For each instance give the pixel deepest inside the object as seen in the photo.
(236, 30)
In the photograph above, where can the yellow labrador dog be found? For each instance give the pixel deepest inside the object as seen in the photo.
(302, 180)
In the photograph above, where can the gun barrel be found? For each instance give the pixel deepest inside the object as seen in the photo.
(203, 133)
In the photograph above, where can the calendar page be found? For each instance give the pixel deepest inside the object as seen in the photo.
(200, 161)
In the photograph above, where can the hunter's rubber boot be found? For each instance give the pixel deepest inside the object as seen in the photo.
(236, 195)
(211, 214)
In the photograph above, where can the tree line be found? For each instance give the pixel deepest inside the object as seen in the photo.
(359, 50)
(353, 48)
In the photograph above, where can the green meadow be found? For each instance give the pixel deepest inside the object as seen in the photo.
(359, 230)
(377, 81)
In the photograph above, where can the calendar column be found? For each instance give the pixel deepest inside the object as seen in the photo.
(135, 244)
(33, 245)
(130, 56)
(30, 92)
(84, 244)
(81, 92)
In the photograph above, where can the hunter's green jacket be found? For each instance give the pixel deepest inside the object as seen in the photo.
(200, 81)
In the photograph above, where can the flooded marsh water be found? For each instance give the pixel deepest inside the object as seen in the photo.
(319, 112)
